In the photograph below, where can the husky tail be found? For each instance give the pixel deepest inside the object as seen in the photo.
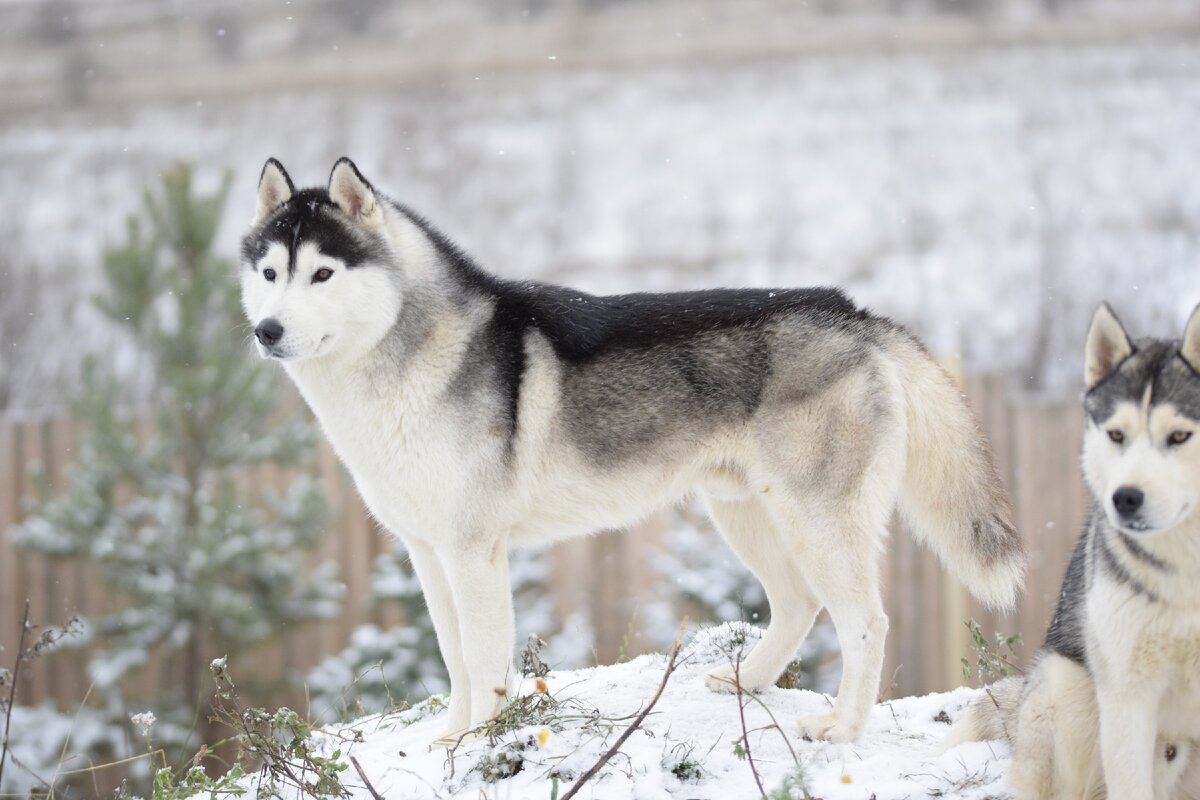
(993, 716)
(951, 497)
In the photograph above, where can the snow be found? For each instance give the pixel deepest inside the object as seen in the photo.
(692, 732)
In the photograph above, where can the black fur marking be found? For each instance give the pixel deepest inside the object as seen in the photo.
(1155, 363)
(701, 355)
(1066, 635)
(310, 216)
(253, 249)
(1142, 554)
(1111, 563)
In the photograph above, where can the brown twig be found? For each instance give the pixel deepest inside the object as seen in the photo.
(672, 663)
(365, 779)
(775, 724)
(737, 683)
(12, 690)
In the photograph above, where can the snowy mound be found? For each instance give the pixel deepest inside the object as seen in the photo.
(690, 746)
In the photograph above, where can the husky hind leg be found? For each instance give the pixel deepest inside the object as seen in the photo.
(752, 534)
(841, 557)
(1056, 753)
(846, 577)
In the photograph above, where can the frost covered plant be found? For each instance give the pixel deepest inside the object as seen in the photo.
(29, 648)
(682, 762)
(284, 754)
(157, 499)
(993, 661)
(143, 722)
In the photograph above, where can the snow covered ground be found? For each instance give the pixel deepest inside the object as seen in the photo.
(690, 746)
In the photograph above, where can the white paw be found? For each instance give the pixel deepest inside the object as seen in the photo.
(723, 679)
(829, 727)
(720, 680)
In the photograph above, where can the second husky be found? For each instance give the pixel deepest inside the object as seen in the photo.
(1112, 705)
(477, 413)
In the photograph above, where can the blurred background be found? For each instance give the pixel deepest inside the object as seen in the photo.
(985, 172)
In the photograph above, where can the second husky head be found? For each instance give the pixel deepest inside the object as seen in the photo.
(319, 272)
(1141, 453)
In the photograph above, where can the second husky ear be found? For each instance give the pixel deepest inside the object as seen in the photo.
(353, 194)
(1107, 346)
(1190, 348)
(274, 189)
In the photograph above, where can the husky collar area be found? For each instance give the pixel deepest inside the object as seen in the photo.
(1112, 704)
(476, 413)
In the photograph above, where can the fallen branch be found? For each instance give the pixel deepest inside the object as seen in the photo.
(366, 781)
(672, 664)
(737, 683)
(774, 724)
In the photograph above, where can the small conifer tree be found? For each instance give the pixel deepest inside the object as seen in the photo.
(204, 564)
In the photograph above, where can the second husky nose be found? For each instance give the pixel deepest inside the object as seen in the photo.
(268, 332)
(1127, 500)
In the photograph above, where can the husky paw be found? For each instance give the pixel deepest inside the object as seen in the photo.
(828, 727)
(453, 738)
(722, 679)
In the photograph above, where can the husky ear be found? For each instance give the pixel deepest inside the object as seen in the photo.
(1190, 349)
(1107, 346)
(274, 189)
(353, 194)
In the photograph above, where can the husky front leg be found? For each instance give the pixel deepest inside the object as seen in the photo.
(478, 576)
(440, 601)
(1128, 732)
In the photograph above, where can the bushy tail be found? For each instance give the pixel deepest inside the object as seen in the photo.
(952, 498)
(992, 716)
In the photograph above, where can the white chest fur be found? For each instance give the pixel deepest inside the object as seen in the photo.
(402, 454)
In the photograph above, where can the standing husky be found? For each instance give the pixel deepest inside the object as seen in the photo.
(1115, 694)
(476, 414)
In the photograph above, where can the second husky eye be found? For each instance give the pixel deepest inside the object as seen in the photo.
(1179, 437)
(1116, 436)
(269, 274)
(322, 275)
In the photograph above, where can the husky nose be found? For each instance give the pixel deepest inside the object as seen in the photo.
(269, 331)
(1127, 500)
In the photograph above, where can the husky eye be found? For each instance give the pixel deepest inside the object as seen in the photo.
(1178, 437)
(269, 274)
(1116, 436)
(322, 275)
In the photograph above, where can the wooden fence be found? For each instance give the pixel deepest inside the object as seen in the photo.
(1036, 444)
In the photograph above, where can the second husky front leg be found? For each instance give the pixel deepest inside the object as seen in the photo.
(477, 571)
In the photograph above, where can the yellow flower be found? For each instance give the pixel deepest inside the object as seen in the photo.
(543, 737)
(847, 779)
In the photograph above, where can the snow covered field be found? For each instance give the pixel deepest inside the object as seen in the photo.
(989, 199)
(690, 746)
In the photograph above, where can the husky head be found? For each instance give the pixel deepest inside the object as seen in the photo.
(1141, 452)
(319, 269)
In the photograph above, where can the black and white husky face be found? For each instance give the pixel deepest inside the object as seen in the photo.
(1141, 453)
(315, 271)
